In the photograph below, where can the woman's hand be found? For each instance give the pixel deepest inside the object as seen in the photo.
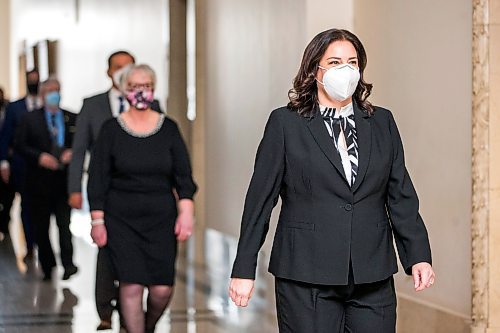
(240, 291)
(184, 226)
(423, 275)
(185, 219)
(99, 235)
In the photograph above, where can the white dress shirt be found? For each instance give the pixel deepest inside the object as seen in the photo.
(114, 101)
(33, 103)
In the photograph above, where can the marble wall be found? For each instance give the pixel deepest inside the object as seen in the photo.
(486, 163)
(421, 71)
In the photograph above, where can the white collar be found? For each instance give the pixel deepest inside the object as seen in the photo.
(344, 111)
(115, 93)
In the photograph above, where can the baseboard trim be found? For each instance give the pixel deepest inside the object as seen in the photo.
(433, 306)
(415, 316)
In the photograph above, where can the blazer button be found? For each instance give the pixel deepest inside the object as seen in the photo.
(348, 207)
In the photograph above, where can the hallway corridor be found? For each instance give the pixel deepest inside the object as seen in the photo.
(200, 302)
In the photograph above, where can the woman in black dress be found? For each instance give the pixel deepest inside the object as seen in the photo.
(140, 193)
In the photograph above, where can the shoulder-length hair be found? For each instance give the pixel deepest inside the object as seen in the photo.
(304, 94)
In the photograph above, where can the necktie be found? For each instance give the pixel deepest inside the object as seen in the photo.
(344, 128)
(54, 129)
(122, 104)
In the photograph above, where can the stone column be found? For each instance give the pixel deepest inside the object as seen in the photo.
(198, 136)
(177, 104)
(486, 167)
(177, 94)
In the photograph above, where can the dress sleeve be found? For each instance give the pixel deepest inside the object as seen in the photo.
(402, 205)
(183, 180)
(262, 196)
(100, 168)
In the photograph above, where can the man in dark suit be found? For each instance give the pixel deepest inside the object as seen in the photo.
(12, 166)
(95, 111)
(44, 139)
(6, 189)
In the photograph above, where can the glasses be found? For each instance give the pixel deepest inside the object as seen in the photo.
(136, 86)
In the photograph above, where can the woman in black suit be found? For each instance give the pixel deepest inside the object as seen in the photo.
(337, 163)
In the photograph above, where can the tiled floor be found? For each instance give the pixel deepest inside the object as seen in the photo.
(200, 301)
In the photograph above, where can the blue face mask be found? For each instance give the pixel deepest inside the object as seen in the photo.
(52, 99)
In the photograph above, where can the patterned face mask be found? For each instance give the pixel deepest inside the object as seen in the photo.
(140, 99)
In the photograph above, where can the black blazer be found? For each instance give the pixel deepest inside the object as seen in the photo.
(33, 138)
(324, 224)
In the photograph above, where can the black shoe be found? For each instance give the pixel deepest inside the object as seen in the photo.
(28, 258)
(104, 325)
(122, 325)
(47, 277)
(47, 273)
(69, 271)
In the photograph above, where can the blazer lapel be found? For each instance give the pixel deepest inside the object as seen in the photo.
(106, 104)
(364, 132)
(45, 131)
(318, 130)
(69, 130)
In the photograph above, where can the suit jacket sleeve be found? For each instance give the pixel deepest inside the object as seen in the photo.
(21, 140)
(262, 196)
(402, 205)
(70, 128)
(100, 168)
(81, 143)
(7, 132)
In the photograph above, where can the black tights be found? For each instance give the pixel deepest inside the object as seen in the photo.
(131, 306)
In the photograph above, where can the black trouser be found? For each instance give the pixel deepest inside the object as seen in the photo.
(356, 308)
(7, 194)
(18, 180)
(41, 209)
(28, 228)
(105, 289)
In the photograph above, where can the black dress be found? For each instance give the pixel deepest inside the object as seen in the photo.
(132, 178)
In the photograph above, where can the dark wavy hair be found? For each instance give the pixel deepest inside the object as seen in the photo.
(304, 94)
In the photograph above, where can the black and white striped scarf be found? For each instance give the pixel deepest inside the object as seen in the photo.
(342, 127)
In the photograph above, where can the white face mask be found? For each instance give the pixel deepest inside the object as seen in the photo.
(340, 82)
